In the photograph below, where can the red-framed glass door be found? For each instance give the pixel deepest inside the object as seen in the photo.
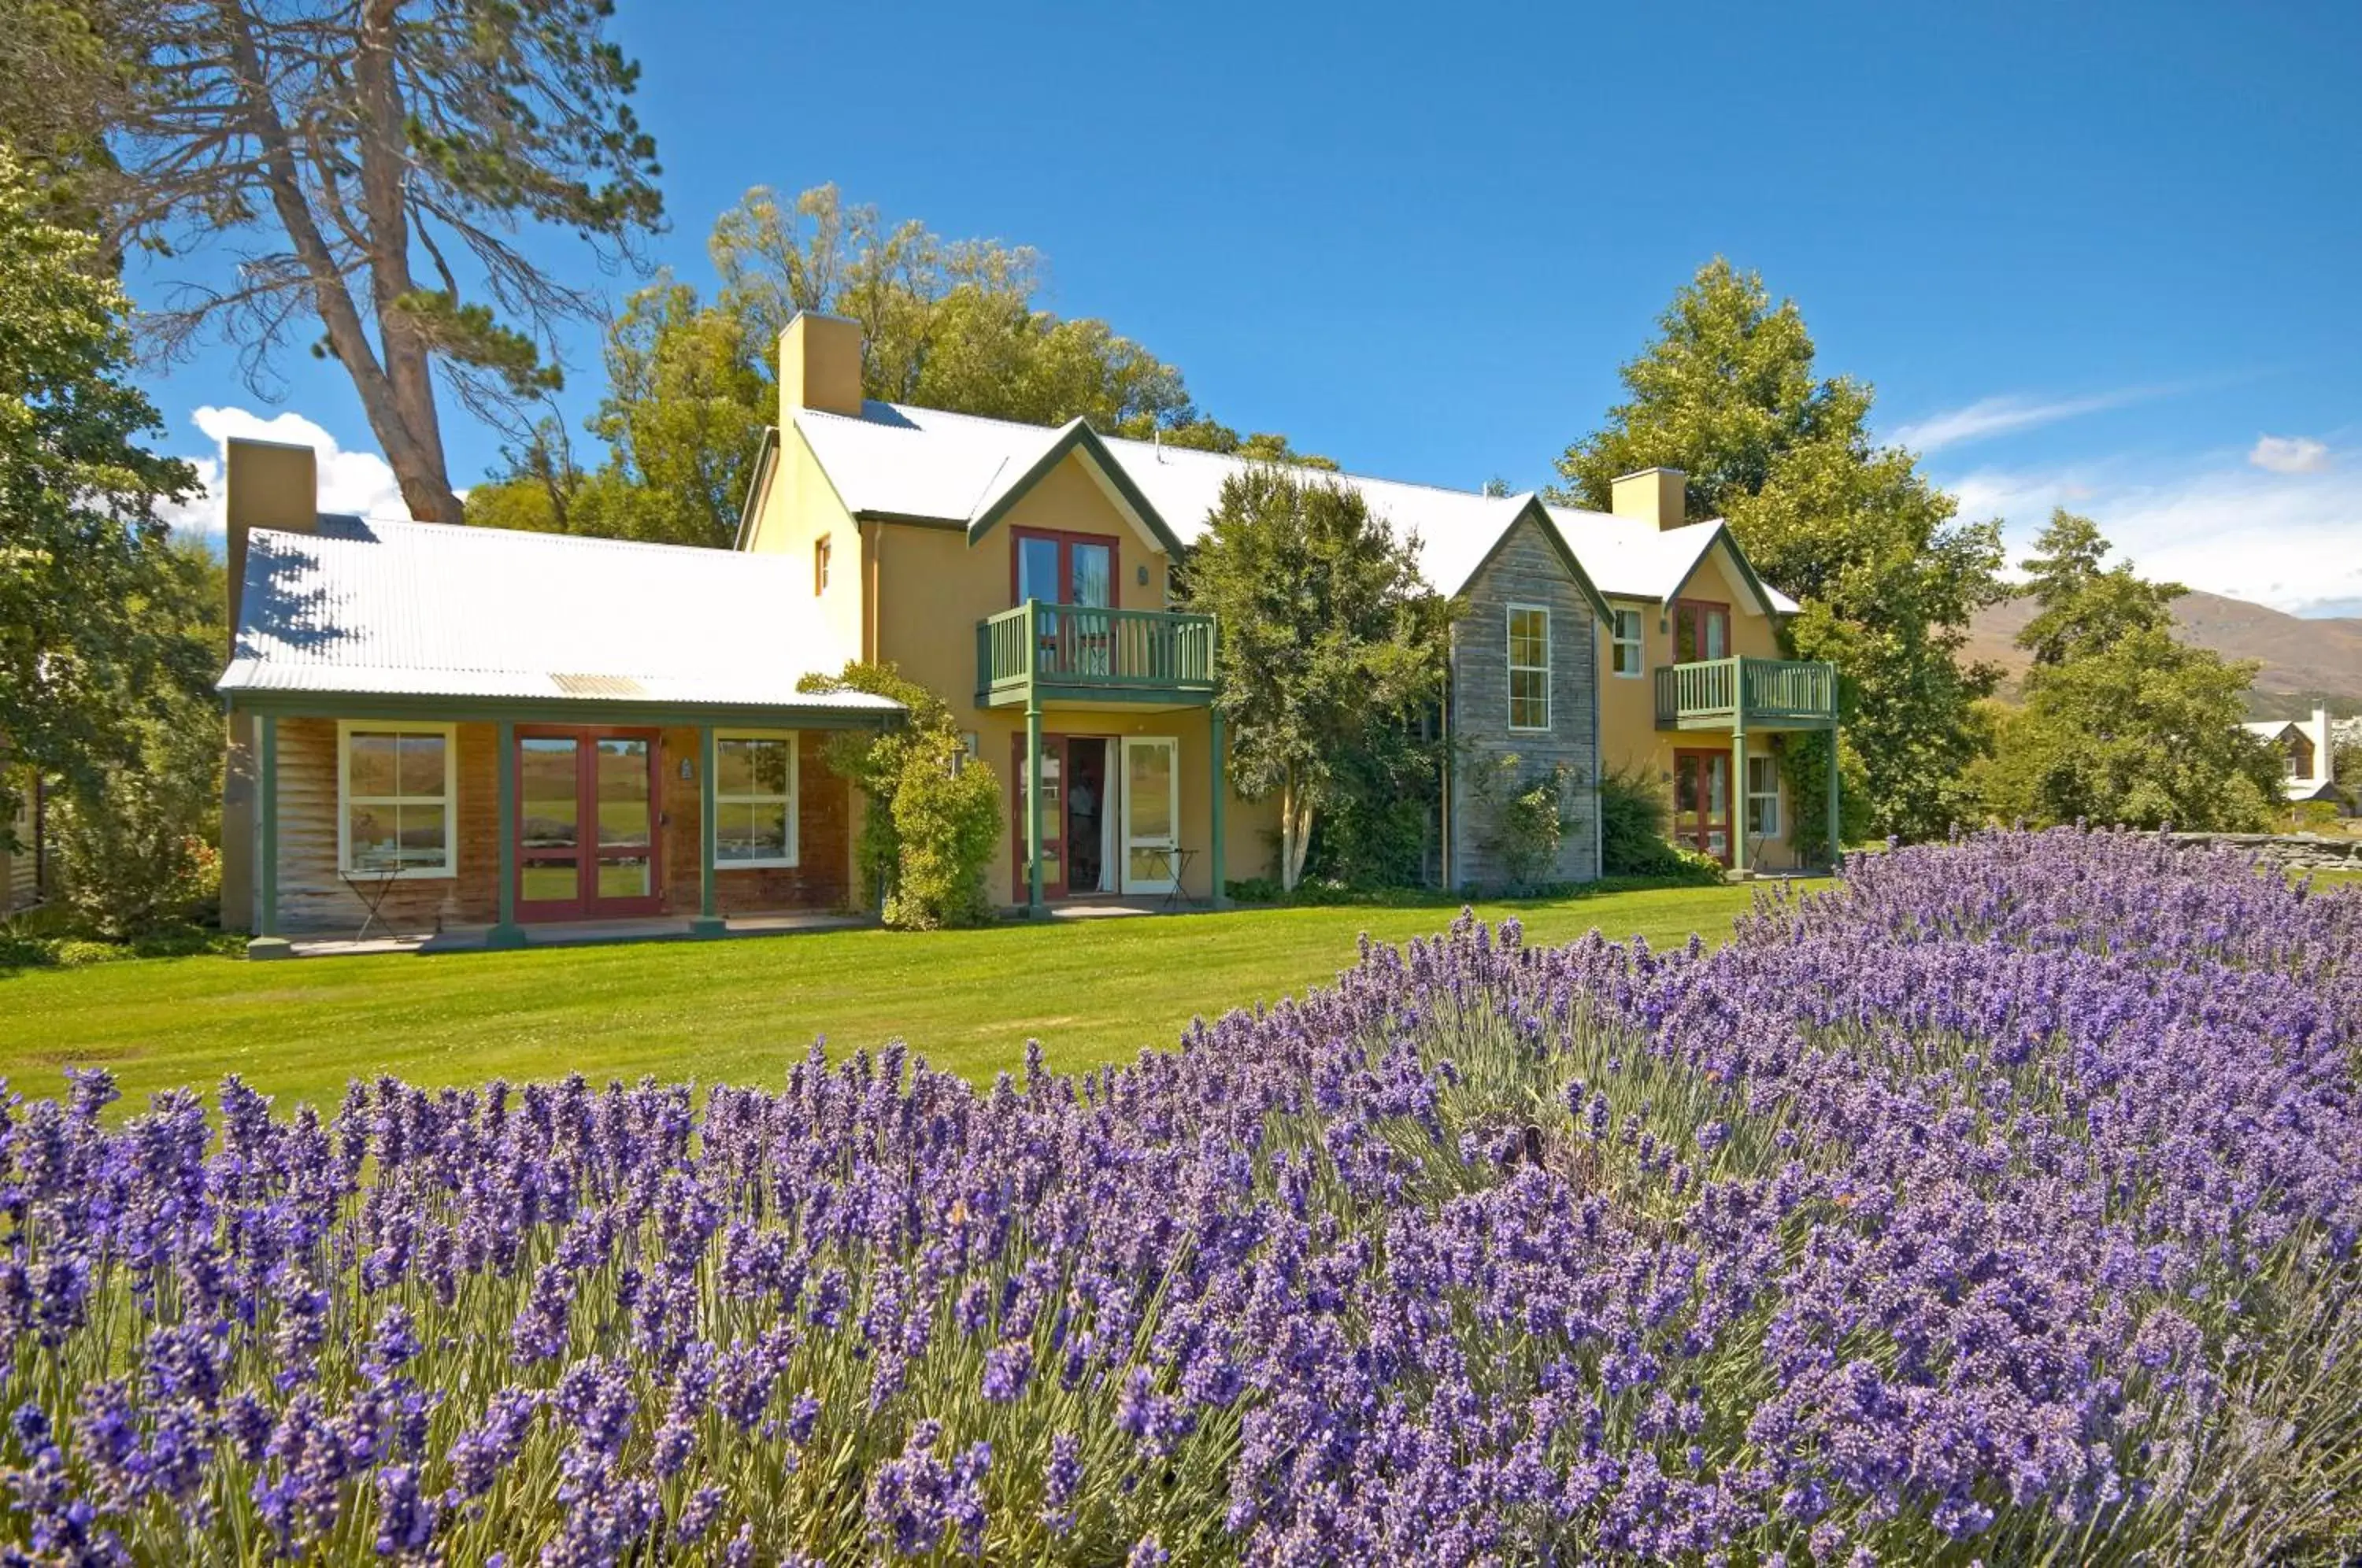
(586, 846)
(1053, 817)
(1701, 630)
(1702, 800)
(1076, 570)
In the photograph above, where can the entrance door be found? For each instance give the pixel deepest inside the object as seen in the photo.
(1054, 816)
(1152, 812)
(586, 824)
(1702, 802)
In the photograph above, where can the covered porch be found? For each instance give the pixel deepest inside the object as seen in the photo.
(444, 824)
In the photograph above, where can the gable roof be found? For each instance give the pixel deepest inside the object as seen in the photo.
(374, 608)
(925, 465)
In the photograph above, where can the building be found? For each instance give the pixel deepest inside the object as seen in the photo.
(462, 727)
(26, 873)
(2308, 749)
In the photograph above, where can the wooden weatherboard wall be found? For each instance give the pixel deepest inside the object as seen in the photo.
(313, 900)
(1527, 570)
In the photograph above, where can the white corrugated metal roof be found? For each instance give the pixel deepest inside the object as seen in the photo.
(432, 609)
(923, 462)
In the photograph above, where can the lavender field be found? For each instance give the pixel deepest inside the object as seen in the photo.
(2001, 1205)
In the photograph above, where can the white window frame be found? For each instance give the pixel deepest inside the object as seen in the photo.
(1509, 649)
(1769, 797)
(794, 857)
(1636, 642)
(346, 802)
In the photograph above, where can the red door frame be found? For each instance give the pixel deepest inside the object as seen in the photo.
(1060, 830)
(587, 851)
(1692, 828)
(1701, 610)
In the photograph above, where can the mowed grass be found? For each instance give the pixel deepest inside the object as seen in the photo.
(740, 1010)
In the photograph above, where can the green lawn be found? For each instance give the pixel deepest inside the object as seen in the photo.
(741, 1010)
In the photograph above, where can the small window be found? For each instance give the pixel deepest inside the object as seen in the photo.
(1529, 672)
(755, 799)
(820, 565)
(1626, 657)
(396, 789)
(1764, 797)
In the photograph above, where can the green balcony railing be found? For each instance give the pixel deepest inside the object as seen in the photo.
(1134, 654)
(1767, 693)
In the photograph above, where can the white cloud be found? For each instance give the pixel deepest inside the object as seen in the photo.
(1999, 415)
(361, 483)
(2289, 540)
(2289, 455)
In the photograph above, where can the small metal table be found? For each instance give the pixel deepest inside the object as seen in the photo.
(370, 888)
(1178, 858)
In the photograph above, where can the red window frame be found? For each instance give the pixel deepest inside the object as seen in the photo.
(588, 849)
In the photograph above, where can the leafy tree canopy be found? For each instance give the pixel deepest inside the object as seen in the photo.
(945, 323)
(2122, 722)
(1329, 636)
(100, 624)
(1729, 394)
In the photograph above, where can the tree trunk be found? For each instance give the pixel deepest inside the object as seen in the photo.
(1295, 832)
(426, 485)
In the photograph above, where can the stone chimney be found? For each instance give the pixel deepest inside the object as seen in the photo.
(1655, 496)
(819, 365)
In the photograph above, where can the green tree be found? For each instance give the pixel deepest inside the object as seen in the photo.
(1329, 637)
(95, 624)
(373, 163)
(1729, 394)
(2122, 724)
(934, 813)
(945, 323)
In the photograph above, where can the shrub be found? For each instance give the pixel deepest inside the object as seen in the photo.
(1634, 813)
(933, 820)
(1522, 817)
(136, 839)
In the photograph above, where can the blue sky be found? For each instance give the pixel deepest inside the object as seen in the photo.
(2102, 256)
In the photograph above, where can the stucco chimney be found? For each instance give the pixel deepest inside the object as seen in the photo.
(819, 365)
(1658, 496)
(265, 484)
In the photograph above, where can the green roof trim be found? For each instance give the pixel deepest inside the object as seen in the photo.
(1723, 535)
(1534, 509)
(1078, 435)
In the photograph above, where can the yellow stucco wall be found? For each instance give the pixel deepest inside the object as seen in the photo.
(912, 593)
(1628, 705)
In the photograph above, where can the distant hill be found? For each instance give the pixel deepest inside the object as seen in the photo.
(2302, 660)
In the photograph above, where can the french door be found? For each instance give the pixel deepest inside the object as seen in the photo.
(1152, 812)
(1701, 631)
(586, 824)
(1077, 571)
(1702, 802)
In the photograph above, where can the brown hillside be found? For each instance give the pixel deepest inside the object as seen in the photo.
(2301, 659)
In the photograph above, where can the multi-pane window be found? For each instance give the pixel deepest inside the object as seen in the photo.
(395, 791)
(1625, 657)
(755, 799)
(1762, 796)
(819, 564)
(1530, 670)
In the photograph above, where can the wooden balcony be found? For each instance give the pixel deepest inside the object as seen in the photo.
(1069, 653)
(1747, 693)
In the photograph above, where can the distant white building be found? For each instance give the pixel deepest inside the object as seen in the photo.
(2308, 751)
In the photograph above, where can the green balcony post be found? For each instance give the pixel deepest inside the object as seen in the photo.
(1218, 899)
(1739, 792)
(1034, 906)
(266, 942)
(1835, 818)
(707, 923)
(505, 931)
